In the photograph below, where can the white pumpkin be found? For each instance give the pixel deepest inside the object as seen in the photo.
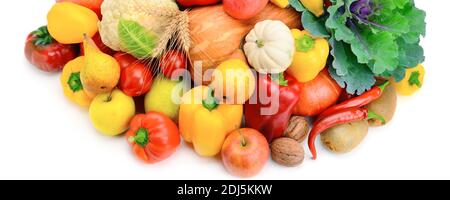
(270, 47)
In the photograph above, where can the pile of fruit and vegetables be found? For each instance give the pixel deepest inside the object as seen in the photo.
(243, 79)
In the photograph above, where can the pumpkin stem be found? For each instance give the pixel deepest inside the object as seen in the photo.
(260, 43)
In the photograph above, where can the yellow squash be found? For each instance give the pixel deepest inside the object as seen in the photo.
(310, 57)
(205, 123)
(412, 82)
(71, 83)
(67, 22)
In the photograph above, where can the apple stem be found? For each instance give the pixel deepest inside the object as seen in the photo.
(243, 141)
(109, 98)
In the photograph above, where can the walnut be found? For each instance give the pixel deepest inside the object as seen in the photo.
(287, 152)
(298, 129)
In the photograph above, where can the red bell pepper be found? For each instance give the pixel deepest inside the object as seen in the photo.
(45, 53)
(153, 137)
(263, 113)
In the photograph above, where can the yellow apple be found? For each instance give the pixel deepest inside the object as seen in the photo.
(110, 113)
(163, 97)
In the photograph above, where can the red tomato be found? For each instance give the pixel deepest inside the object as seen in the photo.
(98, 42)
(153, 137)
(94, 5)
(318, 95)
(173, 64)
(45, 53)
(136, 77)
(125, 59)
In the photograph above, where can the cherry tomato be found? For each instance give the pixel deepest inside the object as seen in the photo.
(173, 64)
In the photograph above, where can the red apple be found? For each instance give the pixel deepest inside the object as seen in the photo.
(244, 9)
(94, 5)
(245, 152)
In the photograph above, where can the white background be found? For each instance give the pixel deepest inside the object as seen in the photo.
(44, 136)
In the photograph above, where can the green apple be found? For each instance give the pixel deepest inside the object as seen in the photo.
(164, 97)
(110, 113)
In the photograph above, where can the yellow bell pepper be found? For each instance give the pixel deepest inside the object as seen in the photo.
(314, 6)
(412, 82)
(205, 123)
(71, 83)
(68, 22)
(310, 57)
(281, 3)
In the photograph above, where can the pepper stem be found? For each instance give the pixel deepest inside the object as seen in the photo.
(210, 102)
(141, 137)
(372, 115)
(42, 36)
(304, 43)
(74, 82)
(279, 79)
(384, 85)
(414, 79)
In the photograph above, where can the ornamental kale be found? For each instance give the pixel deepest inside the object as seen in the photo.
(372, 38)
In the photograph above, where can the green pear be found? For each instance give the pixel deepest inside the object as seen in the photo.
(164, 97)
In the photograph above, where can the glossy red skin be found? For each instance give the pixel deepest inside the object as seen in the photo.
(317, 95)
(244, 9)
(135, 78)
(94, 5)
(248, 160)
(51, 57)
(272, 126)
(125, 59)
(98, 41)
(356, 102)
(171, 63)
(163, 134)
(189, 3)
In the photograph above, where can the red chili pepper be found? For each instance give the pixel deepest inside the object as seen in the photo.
(338, 118)
(272, 126)
(356, 102)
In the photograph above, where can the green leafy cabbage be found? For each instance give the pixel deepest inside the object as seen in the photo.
(369, 38)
